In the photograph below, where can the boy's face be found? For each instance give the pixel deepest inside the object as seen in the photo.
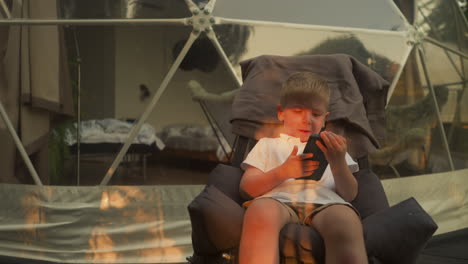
(301, 122)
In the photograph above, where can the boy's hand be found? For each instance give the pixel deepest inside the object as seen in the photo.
(296, 166)
(335, 152)
(336, 146)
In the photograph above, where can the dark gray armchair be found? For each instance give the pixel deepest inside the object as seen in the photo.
(393, 234)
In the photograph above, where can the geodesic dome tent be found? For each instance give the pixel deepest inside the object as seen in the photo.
(70, 62)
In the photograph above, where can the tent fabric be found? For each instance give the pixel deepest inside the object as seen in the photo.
(116, 224)
(9, 94)
(150, 224)
(40, 45)
(442, 195)
(39, 90)
(44, 45)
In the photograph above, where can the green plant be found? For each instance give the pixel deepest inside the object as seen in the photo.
(59, 152)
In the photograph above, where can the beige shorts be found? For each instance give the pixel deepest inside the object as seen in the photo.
(302, 212)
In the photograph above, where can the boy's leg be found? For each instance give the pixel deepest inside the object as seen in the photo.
(341, 230)
(263, 221)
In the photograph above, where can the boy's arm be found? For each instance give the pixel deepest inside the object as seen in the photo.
(346, 184)
(335, 151)
(255, 182)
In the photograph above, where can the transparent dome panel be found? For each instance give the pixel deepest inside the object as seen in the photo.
(457, 124)
(122, 68)
(371, 14)
(194, 130)
(462, 27)
(116, 72)
(96, 135)
(444, 66)
(94, 9)
(36, 84)
(448, 75)
(442, 21)
(414, 142)
(384, 53)
(180, 136)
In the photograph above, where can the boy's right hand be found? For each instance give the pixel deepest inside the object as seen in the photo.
(298, 166)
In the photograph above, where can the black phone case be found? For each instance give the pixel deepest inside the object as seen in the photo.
(311, 147)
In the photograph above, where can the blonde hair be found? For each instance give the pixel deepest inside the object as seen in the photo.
(300, 87)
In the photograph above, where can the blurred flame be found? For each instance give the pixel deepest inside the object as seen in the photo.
(104, 201)
(114, 199)
(125, 199)
(117, 200)
(101, 245)
(32, 212)
(33, 216)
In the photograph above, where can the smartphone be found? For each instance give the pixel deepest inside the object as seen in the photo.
(311, 147)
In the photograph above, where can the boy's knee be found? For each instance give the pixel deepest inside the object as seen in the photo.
(347, 217)
(339, 223)
(342, 234)
(265, 212)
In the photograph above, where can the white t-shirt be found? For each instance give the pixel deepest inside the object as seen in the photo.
(269, 153)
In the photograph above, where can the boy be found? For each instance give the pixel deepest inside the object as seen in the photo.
(270, 171)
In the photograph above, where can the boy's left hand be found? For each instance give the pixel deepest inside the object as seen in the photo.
(335, 146)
